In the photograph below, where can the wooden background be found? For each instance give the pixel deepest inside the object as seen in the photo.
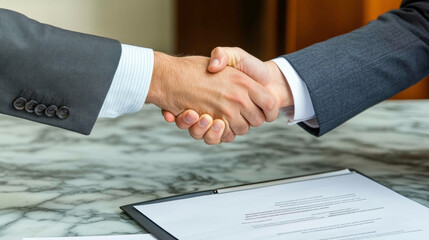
(269, 28)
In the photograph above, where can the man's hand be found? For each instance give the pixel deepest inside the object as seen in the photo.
(184, 83)
(265, 73)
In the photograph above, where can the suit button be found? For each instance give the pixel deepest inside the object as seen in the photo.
(40, 109)
(63, 112)
(51, 111)
(19, 103)
(29, 107)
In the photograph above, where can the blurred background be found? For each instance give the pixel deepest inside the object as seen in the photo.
(265, 28)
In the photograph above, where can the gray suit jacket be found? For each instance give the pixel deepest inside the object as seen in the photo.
(53, 76)
(347, 74)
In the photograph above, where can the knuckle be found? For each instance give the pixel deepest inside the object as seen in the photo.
(216, 51)
(211, 141)
(228, 139)
(271, 104)
(182, 125)
(209, 137)
(228, 136)
(241, 130)
(238, 49)
(241, 101)
(274, 117)
(238, 98)
(234, 96)
(258, 121)
(195, 135)
(228, 111)
(241, 80)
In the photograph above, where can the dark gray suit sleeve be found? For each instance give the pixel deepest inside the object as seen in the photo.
(53, 76)
(350, 73)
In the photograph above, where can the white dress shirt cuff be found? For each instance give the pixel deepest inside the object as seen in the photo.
(130, 85)
(303, 110)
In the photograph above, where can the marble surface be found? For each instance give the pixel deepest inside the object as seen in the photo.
(58, 183)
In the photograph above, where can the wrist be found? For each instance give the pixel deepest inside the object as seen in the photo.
(160, 72)
(280, 84)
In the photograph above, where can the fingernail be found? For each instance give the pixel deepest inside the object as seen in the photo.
(189, 119)
(217, 126)
(214, 62)
(203, 122)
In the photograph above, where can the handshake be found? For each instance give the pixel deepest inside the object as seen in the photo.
(221, 97)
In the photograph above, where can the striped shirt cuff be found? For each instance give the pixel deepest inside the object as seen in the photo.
(130, 85)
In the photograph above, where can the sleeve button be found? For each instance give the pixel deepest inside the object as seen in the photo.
(29, 107)
(19, 103)
(40, 109)
(63, 112)
(51, 111)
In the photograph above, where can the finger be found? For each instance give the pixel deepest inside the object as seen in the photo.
(228, 134)
(218, 60)
(186, 119)
(199, 129)
(214, 134)
(253, 114)
(264, 100)
(239, 125)
(168, 116)
(250, 65)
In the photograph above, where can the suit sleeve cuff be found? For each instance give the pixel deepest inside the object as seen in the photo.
(303, 110)
(131, 82)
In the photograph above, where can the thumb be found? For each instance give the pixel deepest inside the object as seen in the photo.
(219, 58)
(240, 60)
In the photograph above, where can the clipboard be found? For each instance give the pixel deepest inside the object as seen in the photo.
(162, 234)
(417, 213)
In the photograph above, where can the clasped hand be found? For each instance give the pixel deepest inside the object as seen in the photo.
(218, 98)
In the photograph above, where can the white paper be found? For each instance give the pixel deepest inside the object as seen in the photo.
(346, 207)
(118, 237)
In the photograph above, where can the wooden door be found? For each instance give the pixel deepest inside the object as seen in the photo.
(269, 28)
(311, 21)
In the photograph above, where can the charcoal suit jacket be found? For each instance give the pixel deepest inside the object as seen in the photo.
(53, 76)
(347, 74)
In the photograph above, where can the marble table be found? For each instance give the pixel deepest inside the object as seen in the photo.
(58, 183)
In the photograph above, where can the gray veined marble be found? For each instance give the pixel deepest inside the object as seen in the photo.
(57, 183)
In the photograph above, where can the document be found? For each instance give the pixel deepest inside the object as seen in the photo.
(118, 237)
(344, 207)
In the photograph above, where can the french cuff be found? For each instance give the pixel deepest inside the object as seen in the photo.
(302, 110)
(131, 82)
